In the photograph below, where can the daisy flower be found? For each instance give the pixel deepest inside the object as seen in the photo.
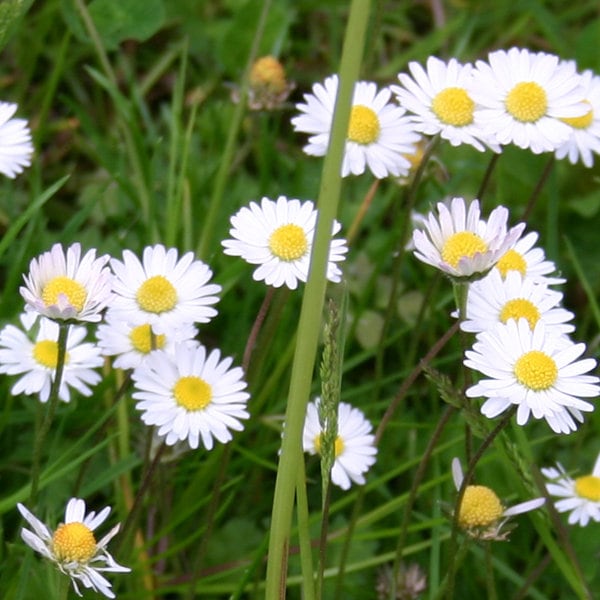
(462, 244)
(379, 135)
(355, 449)
(68, 286)
(131, 344)
(16, 148)
(584, 140)
(73, 548)
(494, 300)
(580, 496)
(537, 371)
(191, 394)
(34, 354)
(439, 99)
(481, 513)
(163, 290)
(278, 236)
(523, 97)
(530, 262)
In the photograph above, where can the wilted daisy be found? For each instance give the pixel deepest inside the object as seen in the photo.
(379, 134)
(462, 244)
(529, 261)
(523, 97)
(494, 300)
(67, 286)
(580, 496)
(355, 449)
(584, 140)
(32, 352)
(481, 513)
(533, 369)
(278, 236)
(163, 290)
(439, 99)
(73, 546)
(16, 148)
(191, 395)
(131, 344)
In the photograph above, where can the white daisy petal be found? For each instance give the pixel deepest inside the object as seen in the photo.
(16, 148)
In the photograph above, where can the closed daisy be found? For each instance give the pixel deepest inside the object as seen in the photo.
(379, 135)
(524, 96)
(580, 496)
(355, 449)
(462, 244)
(73, 548)
(278, 236)
(534, 370)
(131, 344)
(439, 99)
(67, 286)
(16, 148)
(33, 354)
(481, 513)
(191, 395)
(163, 290)
(494, 300)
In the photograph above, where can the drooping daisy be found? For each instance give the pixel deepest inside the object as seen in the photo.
(462, 244)
(34, 356)
(481, 513)
(379, 133)
(584, 140)
(73, 548)
(530, 262)
(16, 148)
(131, 344)
(191, 395)
(355, 449)
(535, 370)
(494, 300)
(67, 286)
(439, 99)
(278, 236)
(163, 290)
(523, 97)
(580, 496)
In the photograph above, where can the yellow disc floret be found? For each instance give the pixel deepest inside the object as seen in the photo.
(582, 122)
(268, 72)
(192, 393)
(364, 125)
(527, 102)
(144, 340)
(453, 106)
(588, 487)
(73, 542)
(480, 507)
(536, 370)
(156, 295)
(511, 261)
(464, 244)
(520, 308)
(45, 352)
(72, 290)
(288, 242)
(339, 444)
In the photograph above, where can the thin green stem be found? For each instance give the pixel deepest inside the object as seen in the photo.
(535, 194)
(487, 177)
(256, 327)
(312, 306)
(490, 583)
(306, 560)
(323, 538)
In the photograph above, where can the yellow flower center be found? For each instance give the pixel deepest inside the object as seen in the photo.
(453, 106)
(519, 308)
(288, 242)
(536, 370)
(75, 293)
(73, 542)
(464, 244)
(511, 261)
(156, 295)
(339, 444)
(192, 393)
(45, 352)
(527, 102)
(582, 122)
(144, 341)
(364, 125)
(588, 487)
(268, 72)
(480, 507)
